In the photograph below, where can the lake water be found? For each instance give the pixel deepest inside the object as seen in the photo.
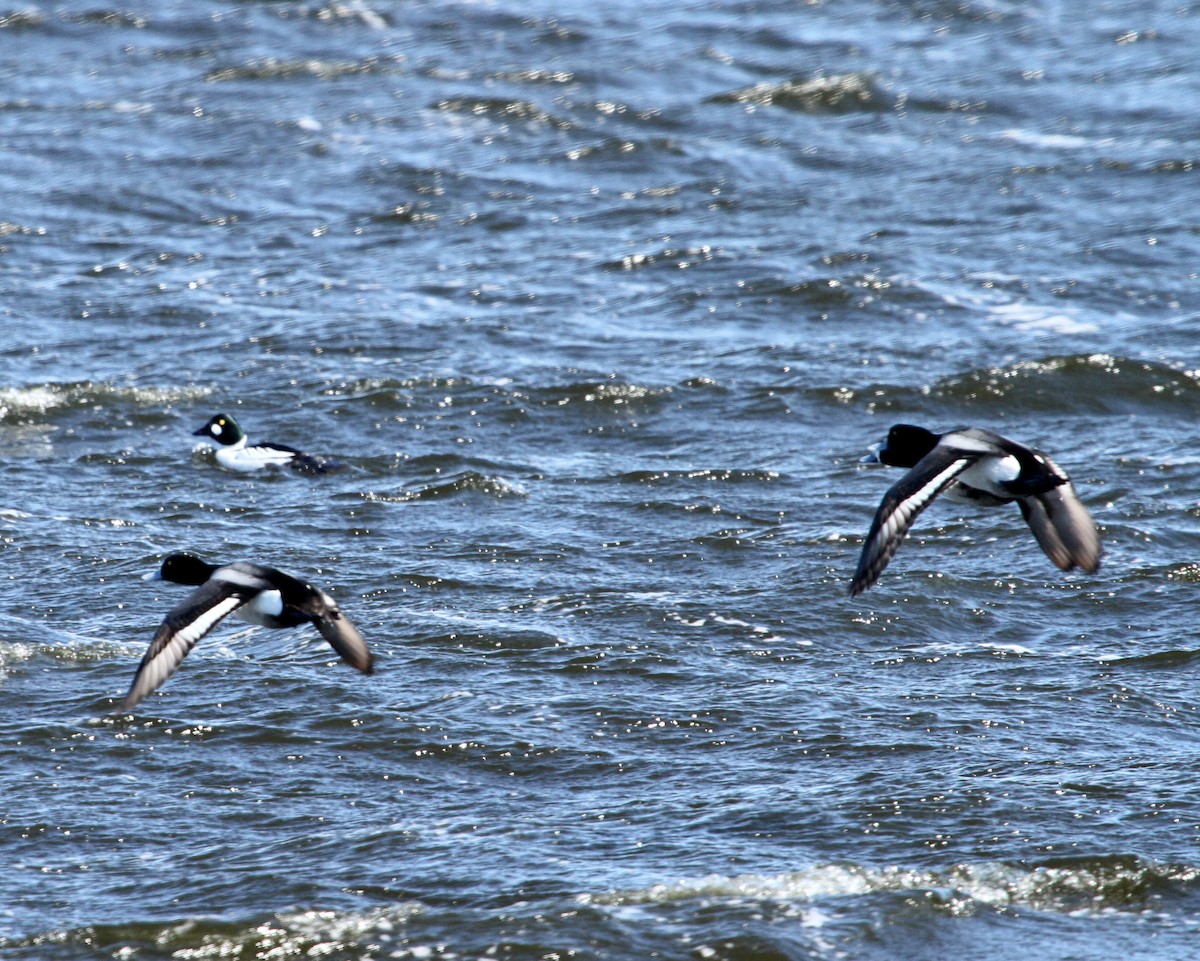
(600, 304)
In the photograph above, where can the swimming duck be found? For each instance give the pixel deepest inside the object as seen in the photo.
(237, 454)
(976, 466)
(257, 594)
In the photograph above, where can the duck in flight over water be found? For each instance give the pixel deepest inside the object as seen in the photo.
(976, 466)
(259, 595)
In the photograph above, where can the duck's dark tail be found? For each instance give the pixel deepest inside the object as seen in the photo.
(304, 463)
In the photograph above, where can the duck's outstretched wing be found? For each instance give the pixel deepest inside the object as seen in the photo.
(902, 503)
(198, 614)
(336, 628)
(1062, 525)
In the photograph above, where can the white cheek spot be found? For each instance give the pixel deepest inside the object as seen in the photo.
(216, 430)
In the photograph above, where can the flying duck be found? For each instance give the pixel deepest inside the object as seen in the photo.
(257, 594)
(976, 466)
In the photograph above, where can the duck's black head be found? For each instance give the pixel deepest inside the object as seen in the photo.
(904, 445)
(222, 428)
(183, 568)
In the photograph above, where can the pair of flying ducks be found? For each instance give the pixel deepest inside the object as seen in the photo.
(969, 465)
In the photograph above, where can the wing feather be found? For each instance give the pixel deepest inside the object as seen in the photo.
(1062, 525)
(902, 504)
(336, 628)
(186, 624)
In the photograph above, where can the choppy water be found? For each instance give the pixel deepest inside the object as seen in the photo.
(600, 304)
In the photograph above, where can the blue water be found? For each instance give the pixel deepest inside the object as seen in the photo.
(600, 305)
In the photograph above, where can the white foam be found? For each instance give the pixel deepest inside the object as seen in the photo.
(1052, 141)
(38, 398)
(1038, 319)
(1006, 648)
(1068, 889)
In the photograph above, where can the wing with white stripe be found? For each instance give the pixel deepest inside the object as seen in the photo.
(901, 505)
(204, 608)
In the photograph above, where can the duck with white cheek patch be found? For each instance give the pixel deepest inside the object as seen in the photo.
(236, 453)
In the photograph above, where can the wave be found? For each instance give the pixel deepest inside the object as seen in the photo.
(1101, 886)
(22, 19)
(23, 405)
(673, 258)
(705, 474)
(837, 93)
(1158, 660)
(608, 394)
(467, 482)
(1076, 383)
(1093, 381)
(301, 934)
(271, 68)
(518, 111)
(1097, 884)
(392, 392)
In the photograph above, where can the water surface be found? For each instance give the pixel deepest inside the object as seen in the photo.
(600, 305)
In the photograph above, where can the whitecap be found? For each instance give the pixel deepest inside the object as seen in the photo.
(23, 399)
(1087, 885)
(1006, 648)
(1035, 318)
(1052, 141)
